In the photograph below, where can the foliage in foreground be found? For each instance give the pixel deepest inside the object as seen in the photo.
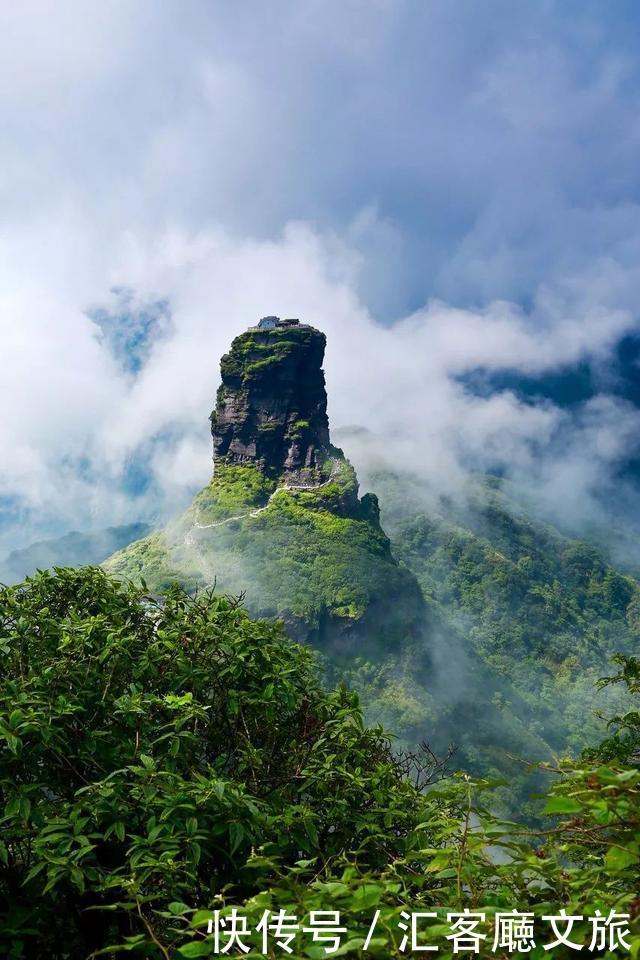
(163, 758)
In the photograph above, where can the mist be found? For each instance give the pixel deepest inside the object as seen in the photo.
(442, 192)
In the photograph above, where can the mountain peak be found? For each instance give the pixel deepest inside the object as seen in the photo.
(280, 521)
(271, 408)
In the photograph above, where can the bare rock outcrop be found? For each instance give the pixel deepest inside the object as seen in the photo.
(271, 408)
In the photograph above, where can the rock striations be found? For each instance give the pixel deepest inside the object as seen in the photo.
(271, 408)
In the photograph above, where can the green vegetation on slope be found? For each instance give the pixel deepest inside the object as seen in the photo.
(233, 490)
(521, 591)
(317, 557)
(500, 654)
(163, 758)
(524, 621)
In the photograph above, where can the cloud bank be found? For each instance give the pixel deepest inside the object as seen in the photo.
(440, 190)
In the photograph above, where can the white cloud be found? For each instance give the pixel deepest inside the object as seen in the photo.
(342, 162)
(78, 419)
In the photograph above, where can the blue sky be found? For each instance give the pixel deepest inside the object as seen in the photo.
(455, 182)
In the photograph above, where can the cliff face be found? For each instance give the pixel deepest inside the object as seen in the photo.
(271, 408)
(281, 520)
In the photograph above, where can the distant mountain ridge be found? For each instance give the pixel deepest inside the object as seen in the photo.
(526, 621)
(74, 549)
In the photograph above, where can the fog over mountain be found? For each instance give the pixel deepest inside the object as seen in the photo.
(449, 191)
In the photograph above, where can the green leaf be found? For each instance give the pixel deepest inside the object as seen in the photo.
(562, 805)
(177, 908)
(195, 949)
(619, 859)
(236, 835)
(201, 917)
(366, 896)
(12, 807)
(218, 788)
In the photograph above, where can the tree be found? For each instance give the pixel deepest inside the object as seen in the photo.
(162, 758)
(150, 746)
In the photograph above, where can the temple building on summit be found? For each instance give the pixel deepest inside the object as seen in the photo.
(270, 323)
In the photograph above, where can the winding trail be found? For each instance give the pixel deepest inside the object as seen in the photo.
(254, 513)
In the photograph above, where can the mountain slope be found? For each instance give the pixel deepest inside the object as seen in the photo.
(474, 624)
(281, 519)
(528, 621)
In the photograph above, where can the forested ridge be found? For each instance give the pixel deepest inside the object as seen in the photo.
(523, 620)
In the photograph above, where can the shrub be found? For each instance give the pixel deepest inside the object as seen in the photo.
(150, 746)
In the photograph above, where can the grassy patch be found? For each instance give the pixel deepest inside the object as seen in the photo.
(311, 555)
(233, 490)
